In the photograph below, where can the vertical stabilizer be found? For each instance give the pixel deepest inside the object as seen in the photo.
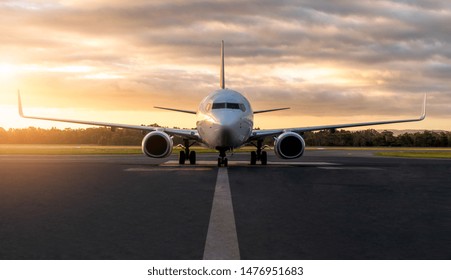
(222, 79)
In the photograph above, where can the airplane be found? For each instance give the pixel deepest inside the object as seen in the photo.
(224, 123)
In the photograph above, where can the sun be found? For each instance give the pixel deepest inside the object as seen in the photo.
(7, 70)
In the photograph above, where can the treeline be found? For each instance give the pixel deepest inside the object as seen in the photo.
(373, 138)
(125, 137)
(92, 136)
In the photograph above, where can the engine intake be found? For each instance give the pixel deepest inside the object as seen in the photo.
(157, 144)
(289, 145)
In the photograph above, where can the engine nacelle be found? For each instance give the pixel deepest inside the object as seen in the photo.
(157, 144)
(289, 145)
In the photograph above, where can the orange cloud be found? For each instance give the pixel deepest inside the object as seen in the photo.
(325, 61)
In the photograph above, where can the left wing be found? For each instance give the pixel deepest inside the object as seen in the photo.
(184, 133)
(258, 134)
(270, 110)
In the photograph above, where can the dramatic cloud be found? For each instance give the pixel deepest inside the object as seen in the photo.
(327, 60)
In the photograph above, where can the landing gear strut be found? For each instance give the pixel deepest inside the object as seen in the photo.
(191, 155)
(222, 160)
(259, 155)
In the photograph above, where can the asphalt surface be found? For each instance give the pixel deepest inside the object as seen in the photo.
(325, 205)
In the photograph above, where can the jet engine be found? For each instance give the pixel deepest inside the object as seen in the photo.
(157, 144)
(289, 145)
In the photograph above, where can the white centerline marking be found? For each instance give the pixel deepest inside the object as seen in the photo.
(222, 240)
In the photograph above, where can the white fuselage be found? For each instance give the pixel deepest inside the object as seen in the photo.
(224, 119)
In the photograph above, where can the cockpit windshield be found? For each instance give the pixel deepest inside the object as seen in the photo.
(219, 105)
(228, 105)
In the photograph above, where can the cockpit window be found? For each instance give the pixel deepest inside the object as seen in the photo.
(219, 105)
(232, 106)
(229, 105)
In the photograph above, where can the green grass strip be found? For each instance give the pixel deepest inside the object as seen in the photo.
(25, 149)
(419, 154)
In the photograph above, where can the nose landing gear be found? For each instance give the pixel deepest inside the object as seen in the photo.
(222, 160)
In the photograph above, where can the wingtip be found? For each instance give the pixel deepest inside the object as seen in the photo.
(423, 113)
(20, 104)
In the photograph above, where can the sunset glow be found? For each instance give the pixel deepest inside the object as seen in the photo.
(331, 63)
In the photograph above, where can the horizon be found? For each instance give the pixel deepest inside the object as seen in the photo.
(350, 129)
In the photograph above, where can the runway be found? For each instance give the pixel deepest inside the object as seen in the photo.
(329, 204)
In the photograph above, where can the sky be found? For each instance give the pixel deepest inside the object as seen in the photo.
(330, 61)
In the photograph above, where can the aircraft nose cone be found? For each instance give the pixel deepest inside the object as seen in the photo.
(227, 125)
(227, 120)
(226, 136)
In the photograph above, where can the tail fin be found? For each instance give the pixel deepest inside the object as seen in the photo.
(222, 79)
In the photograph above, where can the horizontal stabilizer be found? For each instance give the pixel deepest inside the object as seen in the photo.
(177, 110)
(270, 110)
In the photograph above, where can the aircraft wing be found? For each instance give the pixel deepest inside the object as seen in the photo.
(184, 133)
(258, 134)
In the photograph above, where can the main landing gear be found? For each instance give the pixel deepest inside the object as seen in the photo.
(222, 160)
(187, 154)
(259, 155)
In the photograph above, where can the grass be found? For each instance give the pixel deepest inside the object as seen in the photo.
(445, 154)
(67, 150)
(379, 148)
(406, 152)
(18, 149)
(26, 149)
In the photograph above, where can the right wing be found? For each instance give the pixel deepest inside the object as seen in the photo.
(259, 134)
(184, 133)
(177, 110)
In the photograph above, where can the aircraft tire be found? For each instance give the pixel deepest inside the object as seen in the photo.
(192, 157)
(264, 158)
(225, 162)
(182, 157)
(253, 158)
